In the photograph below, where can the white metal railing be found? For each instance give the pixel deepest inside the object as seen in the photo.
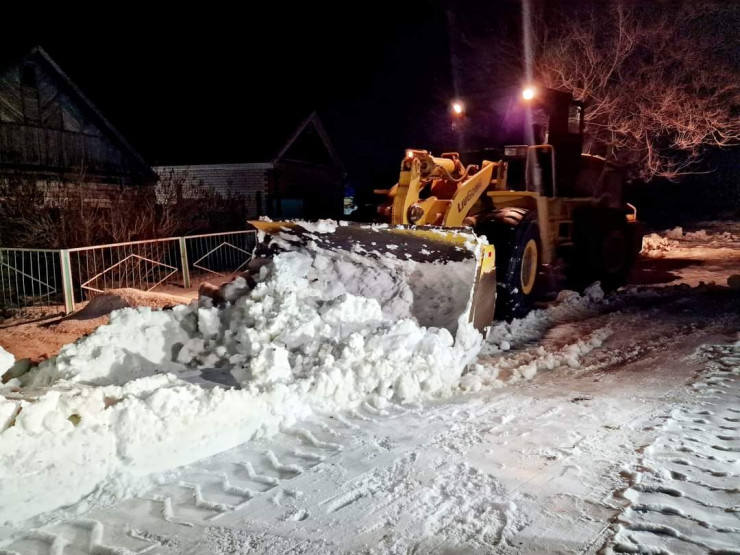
(142, 265)
(30, 282)
(44, 281)
(218, 254)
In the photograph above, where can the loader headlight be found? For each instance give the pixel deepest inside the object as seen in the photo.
(415, 213)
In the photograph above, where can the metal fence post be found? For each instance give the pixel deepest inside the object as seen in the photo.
(67, 288)
(184, 263)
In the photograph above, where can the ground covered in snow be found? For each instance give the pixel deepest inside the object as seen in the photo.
(594, 423)
(711, 253)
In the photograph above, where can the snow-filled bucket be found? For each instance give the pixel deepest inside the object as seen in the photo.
(435, 275)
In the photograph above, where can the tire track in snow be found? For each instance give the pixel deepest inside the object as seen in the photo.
(308, 436)
(672, 500)
(78, 536)
(211, 489)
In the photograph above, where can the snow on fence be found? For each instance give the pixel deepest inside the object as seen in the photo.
(38, 282)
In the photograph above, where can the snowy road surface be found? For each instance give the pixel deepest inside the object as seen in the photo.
(593, 427)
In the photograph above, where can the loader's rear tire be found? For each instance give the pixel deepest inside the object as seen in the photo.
(516, 235)
(603, 249)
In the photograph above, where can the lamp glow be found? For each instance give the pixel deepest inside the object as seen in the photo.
(458, 108)
(528, 93)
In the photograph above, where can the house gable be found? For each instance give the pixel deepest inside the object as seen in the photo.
(48, 126)
(310, 144)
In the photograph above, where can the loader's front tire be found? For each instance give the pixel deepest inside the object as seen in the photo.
(516, 235)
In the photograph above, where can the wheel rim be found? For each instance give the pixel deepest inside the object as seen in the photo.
(529, 267)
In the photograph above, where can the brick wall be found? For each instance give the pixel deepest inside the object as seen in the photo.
(227, 179)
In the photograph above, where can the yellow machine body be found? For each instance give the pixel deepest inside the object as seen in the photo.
(454, 190)
(466, 194)
(441, 191)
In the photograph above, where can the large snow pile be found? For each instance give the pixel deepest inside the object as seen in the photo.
(319, 332)
(322, 331)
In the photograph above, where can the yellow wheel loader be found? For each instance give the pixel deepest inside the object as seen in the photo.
(554, 214)
(543, 207)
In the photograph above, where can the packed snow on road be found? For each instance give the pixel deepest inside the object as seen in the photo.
(321, 412)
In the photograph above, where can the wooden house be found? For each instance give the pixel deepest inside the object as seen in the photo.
(52, 136)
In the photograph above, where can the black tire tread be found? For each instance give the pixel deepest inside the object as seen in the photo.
(509, 229)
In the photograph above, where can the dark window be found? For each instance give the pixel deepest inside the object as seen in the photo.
(28, 76)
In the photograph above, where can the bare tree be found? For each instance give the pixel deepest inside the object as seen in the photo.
(47, 214)
(658, 78)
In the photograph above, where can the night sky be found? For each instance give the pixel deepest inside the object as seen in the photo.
(214, 86)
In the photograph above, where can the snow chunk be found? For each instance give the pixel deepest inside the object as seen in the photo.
(270, 366)
(7, 361)
(594, 292)
(8, 411)
(656, 245)
(700, 235)
(675, 233)
(320, 226)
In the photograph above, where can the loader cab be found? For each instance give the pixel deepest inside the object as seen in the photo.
(531, 169)
(555, 124)
(543, 131)
(515, 157)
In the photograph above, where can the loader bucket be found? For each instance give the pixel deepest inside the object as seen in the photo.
(436, 275)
